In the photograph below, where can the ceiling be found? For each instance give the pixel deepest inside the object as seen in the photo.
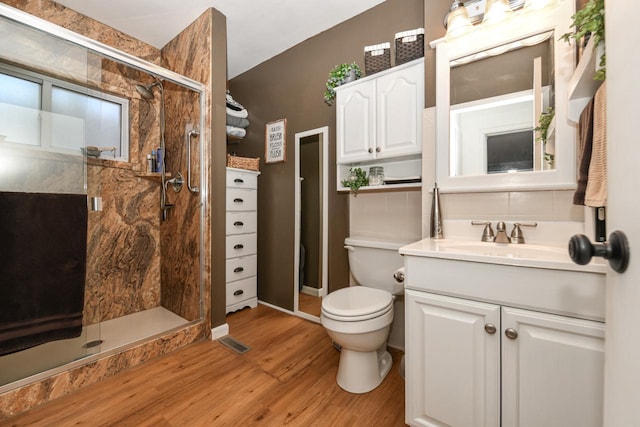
(257, 30)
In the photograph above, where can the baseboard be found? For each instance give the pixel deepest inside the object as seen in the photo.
(308, 290)
(220, 331)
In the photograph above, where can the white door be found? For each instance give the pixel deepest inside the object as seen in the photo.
(453, 360)
(400, 101)
(552, 370)
(355, 122)
(622, 361)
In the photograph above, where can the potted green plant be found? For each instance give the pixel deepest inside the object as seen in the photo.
(588, 22)
(357, 178)
(339, 75)
(546, 117)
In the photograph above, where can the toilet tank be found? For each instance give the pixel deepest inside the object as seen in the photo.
(373, 261)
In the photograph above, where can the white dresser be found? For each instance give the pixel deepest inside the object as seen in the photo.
(241, 243)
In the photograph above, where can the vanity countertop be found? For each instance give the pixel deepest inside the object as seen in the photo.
(523, 255)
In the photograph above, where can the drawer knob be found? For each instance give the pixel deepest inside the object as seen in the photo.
(238, 201)
(238, 247)
(238, 223)
(238, 270)
(238, 292)
(239, 181)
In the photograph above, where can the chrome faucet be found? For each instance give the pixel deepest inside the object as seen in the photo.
(501, 235)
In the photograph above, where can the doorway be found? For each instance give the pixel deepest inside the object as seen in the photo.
(311, 233)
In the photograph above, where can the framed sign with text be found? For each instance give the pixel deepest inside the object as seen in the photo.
(275, 149)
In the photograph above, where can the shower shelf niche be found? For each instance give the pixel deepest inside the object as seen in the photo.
(154, 176)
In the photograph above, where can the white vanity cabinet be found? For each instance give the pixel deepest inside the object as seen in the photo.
(472, 363)
(241, 239)
(379, 117)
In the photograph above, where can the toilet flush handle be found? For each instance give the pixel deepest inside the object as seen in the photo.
(349, 248)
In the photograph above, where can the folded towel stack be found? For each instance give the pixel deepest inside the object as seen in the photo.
(237, 121)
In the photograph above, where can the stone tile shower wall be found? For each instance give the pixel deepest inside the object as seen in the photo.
(127, 237)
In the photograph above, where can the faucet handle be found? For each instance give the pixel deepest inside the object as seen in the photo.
(516, 233)
(487, 234)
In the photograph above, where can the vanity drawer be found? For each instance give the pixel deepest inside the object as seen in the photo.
(241, 245)
(240, 199)
(241, 268)
(241, 290)
(241, 223)
(241, 179)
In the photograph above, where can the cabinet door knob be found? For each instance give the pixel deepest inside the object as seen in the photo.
(490, 328)
(370, 150)
(238, 270)
(377, 149)
(239, 292)
(511, 333)
(238, 246)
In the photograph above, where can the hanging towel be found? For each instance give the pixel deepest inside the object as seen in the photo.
(585, 136)
(42, 268)
(596, 193)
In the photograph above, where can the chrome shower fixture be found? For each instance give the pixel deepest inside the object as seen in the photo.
(146, 91)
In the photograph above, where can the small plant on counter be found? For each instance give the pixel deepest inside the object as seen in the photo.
(589, 22)
(357, 178)
(339, 75)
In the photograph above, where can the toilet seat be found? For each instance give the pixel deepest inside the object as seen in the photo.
(356, 303)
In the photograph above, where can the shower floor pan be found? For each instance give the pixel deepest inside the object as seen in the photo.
(26, 366)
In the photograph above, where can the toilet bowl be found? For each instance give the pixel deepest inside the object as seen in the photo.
(358, 318)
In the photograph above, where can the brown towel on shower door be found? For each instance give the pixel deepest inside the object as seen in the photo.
(585, 136)
(43, 250)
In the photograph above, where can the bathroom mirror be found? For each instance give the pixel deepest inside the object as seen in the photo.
(493, 85)
(311, 219)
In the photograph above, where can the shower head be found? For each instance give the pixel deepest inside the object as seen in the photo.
(147, 91)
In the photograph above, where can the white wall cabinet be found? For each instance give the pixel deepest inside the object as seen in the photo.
(479, 364)
(241, 240)
(379, 117)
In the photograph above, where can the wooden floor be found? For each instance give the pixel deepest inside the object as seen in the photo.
(286, 378)
(309, 304)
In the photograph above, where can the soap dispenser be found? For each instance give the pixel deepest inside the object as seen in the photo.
(435, 225)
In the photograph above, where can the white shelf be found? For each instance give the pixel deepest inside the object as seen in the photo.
(403, 168)
(582, 86)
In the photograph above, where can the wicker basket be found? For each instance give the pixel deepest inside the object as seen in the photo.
(409, 45)
(249, 163)
(377, 57)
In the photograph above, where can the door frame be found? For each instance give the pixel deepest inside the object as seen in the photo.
(324, 179)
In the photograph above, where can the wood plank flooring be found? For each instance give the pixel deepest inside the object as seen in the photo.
(286, 378)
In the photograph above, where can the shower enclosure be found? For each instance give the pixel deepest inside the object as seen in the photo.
(105, 252)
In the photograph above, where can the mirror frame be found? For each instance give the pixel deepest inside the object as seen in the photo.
(521, 25)
(324, 171)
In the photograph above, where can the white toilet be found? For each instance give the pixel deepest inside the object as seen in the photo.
(358, 318)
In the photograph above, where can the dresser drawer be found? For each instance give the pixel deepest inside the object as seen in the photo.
(241, 290)
(241, 223)
(240, 179)
(240, 199)
(241, 268)
(241, 245)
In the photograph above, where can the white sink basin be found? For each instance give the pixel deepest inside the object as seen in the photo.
(536, 277)
(526, 255)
